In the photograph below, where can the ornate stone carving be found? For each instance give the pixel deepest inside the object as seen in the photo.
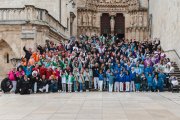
(135, 19)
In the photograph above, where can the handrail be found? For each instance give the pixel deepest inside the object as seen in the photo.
(173, 51)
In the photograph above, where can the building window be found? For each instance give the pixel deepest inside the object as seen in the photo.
(6, 58)
(67, 23)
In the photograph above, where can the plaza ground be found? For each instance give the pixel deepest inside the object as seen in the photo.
(91, 106)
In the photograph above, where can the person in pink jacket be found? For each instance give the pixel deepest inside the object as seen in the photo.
(12, 78)
(20, 72)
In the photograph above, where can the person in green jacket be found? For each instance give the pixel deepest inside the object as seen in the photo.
(70, 81)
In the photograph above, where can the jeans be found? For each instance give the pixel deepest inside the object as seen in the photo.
(90, 82)
(75, 86)
(81, 87)
(137, 86)
(35, 87)
(100, 85)
(121, 86)
(116, 87)
(64, 87)
(69, 87)
(96, 79)
(110, 87)
(127, 86)
(132, 86)
(14, 83)
(87, 85)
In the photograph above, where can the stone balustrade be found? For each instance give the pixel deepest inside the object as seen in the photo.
(31, 14)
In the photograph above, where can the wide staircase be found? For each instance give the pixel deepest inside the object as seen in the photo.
(176, 72)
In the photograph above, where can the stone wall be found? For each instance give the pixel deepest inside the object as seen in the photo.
(166, 24)
(52, 7)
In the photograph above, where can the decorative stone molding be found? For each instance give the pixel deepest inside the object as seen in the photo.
(31, 14)
(135, 16)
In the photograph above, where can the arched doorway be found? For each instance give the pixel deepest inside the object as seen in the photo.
(6, 54)
(119, 25)
(105, 24)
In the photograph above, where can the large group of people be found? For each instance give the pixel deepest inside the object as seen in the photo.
(96, 63)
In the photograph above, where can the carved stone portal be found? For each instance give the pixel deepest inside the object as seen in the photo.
(135, 18)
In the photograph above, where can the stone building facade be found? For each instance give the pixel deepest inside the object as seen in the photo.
(31, 22)
(127, 18)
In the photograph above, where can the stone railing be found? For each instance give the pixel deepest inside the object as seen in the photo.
(31, 14)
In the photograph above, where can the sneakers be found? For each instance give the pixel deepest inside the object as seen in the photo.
(40, 89)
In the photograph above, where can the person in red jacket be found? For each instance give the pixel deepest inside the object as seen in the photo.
(42, 71)
(49, 72)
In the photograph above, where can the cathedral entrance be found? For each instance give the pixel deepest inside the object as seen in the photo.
(105, 24)
(119, 28)
(113, 24)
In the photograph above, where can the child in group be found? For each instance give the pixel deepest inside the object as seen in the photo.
(143, 82)
(161, 78)
(137, 82)
(90, 77)
(155, 81)
(110, 78)
(101, 79)
(86, 78)
(70, 82)
(117, 80)
(132, 76)
(122, 81)
(128, 80)
(64, 78)
(53, 87)
(76, 78)
(81, 80)
(149, 81)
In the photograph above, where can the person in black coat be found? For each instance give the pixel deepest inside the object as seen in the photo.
(19, 81)
(28, 53)
(6, 85)
(25, 86)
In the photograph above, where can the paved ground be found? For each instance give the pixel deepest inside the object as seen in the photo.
(91, 106)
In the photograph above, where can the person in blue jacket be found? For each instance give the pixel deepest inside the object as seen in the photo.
(155, 81)
(150, 82)
(148, 70)
(128, 80)
(160, 83)
(101, 79)
(117, 80)
(122, 81)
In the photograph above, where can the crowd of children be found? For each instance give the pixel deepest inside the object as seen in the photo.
(92, 63)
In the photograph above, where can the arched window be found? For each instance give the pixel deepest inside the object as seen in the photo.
(6, 57)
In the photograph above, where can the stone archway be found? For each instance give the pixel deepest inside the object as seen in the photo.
(6, 53)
